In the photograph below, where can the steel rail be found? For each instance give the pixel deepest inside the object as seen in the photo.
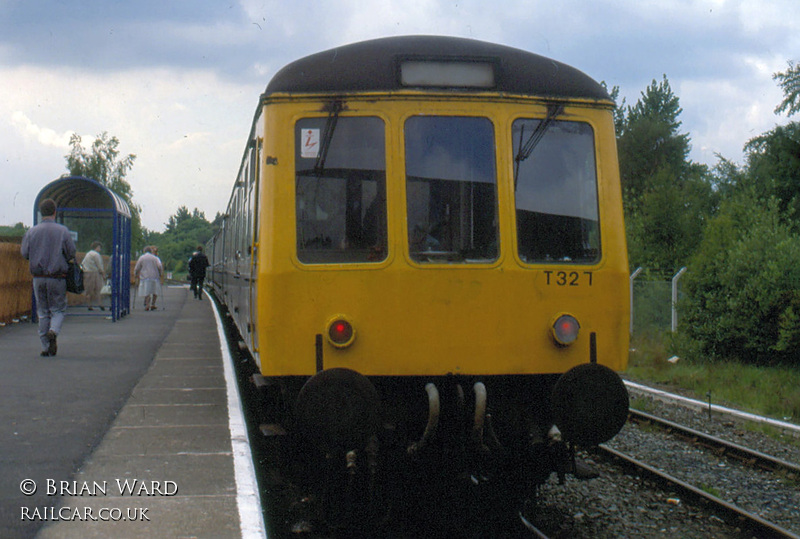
(757, 525)
(534, 531)
(750, 456)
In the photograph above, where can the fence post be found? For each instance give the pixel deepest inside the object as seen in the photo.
(633, 277)
(675, 299)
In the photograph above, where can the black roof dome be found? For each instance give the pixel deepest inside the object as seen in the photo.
(374, 66)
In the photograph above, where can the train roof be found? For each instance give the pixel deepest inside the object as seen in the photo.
(375, 66)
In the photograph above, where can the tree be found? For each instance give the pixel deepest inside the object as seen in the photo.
(773, 165)
(181, 217)
(18, 229)
(101, 162)
(667, 198)
(619, 109)
(743, 286)
(649, 140)
(185, 230)
(789, 81)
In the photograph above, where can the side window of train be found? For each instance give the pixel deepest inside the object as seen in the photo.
(555, 191)
(340, 185)
(451, 189)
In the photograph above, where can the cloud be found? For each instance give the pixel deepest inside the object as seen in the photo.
(177, 82)
(43, 135)
(186, 127)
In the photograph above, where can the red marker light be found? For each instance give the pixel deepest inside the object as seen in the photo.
(565, 329)
(340, 333)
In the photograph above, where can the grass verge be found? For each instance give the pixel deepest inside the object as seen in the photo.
(770, 391)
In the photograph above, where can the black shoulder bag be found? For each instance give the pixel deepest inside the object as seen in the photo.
(74, 277)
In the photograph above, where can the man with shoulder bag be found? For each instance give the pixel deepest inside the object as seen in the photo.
(48, 246)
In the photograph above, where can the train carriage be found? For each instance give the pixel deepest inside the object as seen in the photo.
(426, 232)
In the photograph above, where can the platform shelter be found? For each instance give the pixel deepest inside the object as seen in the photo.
(92, 212)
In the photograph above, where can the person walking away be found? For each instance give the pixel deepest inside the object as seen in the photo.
(197, 271)
(94, 275)
(148, 270)
(48, 246)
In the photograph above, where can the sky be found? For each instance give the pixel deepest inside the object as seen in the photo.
(178, 81)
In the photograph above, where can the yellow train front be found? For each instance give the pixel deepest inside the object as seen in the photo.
(425, 254)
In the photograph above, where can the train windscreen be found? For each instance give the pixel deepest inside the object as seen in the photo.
(340, 182)
(556, 192)
(451, 189)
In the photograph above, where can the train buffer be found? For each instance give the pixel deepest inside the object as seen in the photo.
(131, 430)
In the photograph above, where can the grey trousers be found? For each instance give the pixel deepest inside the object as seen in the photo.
(51, 304)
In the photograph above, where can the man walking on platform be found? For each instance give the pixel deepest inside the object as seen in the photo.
(48, 246)
(197, 271)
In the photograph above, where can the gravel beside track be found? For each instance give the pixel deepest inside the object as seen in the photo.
(620, 505)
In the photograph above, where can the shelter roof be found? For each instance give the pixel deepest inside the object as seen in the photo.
(80, 193)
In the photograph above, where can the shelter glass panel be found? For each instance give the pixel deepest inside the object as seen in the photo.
(555, 192)
(451, 189)
(340, 167)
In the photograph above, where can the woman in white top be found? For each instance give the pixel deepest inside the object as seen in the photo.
(94, 275)
(148, 270)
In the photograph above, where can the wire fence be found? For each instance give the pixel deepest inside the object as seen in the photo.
(652, 306)
(654, 302)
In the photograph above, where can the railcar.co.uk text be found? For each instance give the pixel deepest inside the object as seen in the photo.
(133, 488)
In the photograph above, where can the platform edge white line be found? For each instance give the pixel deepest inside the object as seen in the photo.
(248, 499)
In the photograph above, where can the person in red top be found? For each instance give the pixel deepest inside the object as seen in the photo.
(48, 246)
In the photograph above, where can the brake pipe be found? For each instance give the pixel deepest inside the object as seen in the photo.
(480, 413)
(433, 418)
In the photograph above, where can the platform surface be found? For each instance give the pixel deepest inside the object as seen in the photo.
(126, 432)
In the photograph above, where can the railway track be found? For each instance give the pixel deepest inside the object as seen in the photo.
(735, 515)
(738, 522)
(719, 446)
(720, 489)
(729, 462)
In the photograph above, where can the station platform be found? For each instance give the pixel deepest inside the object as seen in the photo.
(133, 429)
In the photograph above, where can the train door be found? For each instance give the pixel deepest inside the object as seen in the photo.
(242, 264)
(229, 246)
(252, 246)
(236, 255)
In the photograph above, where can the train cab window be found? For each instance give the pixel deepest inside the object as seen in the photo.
(340, 190)
(451, 189)
(555, 192)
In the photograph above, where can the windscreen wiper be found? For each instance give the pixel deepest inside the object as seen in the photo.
(526, 149)
(333, 108)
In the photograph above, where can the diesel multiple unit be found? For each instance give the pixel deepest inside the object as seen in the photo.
(424, 252)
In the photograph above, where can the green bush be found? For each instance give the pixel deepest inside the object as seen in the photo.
(742, 290)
